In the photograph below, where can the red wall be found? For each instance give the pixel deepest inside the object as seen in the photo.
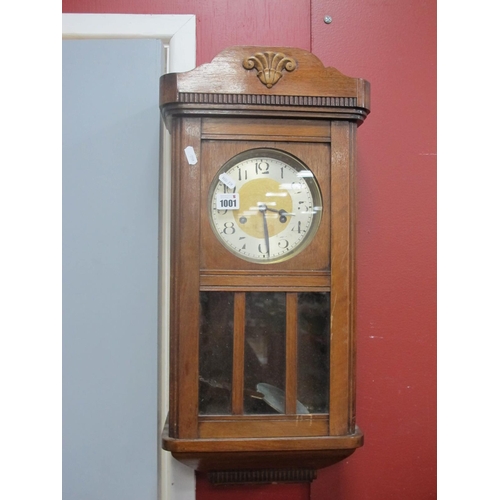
(221, 23)
(391, 43)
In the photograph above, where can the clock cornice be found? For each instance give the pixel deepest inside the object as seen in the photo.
(231, 82)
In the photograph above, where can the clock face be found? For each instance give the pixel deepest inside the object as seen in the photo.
(265, 205)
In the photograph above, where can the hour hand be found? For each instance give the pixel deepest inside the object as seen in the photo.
(282, 213)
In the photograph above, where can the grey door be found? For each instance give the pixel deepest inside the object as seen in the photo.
(110, 268)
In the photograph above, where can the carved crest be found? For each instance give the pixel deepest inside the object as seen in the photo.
(269, 66)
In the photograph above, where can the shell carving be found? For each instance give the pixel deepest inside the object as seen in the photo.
(269, 66)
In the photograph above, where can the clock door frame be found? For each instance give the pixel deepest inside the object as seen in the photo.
(190, 262)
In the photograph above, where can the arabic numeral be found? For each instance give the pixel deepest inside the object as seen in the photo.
(262, 249)
(229, 228)
(262, 167)
(305, 207)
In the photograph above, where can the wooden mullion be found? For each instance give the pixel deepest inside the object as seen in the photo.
(238, 353)
(291, 353)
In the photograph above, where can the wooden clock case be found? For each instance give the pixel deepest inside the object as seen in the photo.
(261, 97)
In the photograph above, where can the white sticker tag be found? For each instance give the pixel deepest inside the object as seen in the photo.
(191, 155)
(226, 179)
(228, 201)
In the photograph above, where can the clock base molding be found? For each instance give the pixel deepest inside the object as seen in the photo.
(284, 453)
(263, 476)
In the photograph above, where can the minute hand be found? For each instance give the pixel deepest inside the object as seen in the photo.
(263, 209)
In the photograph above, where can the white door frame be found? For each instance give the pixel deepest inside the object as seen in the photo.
(178, 35)
(178, 32)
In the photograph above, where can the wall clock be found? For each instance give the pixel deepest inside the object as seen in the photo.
(262, 268)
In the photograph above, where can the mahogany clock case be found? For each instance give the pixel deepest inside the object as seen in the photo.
(223, 109)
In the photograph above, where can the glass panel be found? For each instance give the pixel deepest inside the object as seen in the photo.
(216, 352)
(313, 346)
(265, 342)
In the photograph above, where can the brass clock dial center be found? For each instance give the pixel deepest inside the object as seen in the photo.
(263, 194)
